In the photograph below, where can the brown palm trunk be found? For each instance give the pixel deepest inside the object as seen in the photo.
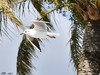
(90, 57)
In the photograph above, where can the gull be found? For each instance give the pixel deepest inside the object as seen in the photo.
(39, 31)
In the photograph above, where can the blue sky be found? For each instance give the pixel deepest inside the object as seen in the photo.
(55, 56)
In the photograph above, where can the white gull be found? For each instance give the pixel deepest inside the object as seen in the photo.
(40, 31)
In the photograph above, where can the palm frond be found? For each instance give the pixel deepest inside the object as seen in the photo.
(77, 36)
(9, 14)
(76, 42)
(13, 3)
(25, 54)
(38, 6)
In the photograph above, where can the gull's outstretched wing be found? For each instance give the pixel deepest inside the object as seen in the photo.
(40, 25)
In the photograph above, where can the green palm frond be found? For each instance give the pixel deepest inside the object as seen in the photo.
(25, 54)
(76, 42)
(38, 4)
(59, 5)
(76, 36)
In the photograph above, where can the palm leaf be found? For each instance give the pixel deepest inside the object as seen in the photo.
(25, 54)
(9, 14)
(77, 35)
(76, 42)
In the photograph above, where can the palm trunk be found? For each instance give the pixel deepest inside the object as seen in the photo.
(90, 57)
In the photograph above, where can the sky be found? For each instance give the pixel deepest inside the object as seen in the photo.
(55, 56)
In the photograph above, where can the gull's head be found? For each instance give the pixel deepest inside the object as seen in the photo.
(25, 32)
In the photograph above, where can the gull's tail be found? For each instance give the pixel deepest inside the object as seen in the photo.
(53, 35)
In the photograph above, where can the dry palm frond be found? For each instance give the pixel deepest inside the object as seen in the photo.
(9, 14)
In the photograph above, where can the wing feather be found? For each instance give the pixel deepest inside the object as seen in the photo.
(40, 25)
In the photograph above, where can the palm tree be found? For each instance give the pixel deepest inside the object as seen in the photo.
(85, 17)
(89, 57)
(88, 60)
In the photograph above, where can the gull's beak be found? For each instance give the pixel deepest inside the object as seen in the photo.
(21, 33)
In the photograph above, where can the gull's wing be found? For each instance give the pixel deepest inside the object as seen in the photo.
(40, 25)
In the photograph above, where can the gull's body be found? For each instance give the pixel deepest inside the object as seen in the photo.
(40, 31)
(36, 34)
